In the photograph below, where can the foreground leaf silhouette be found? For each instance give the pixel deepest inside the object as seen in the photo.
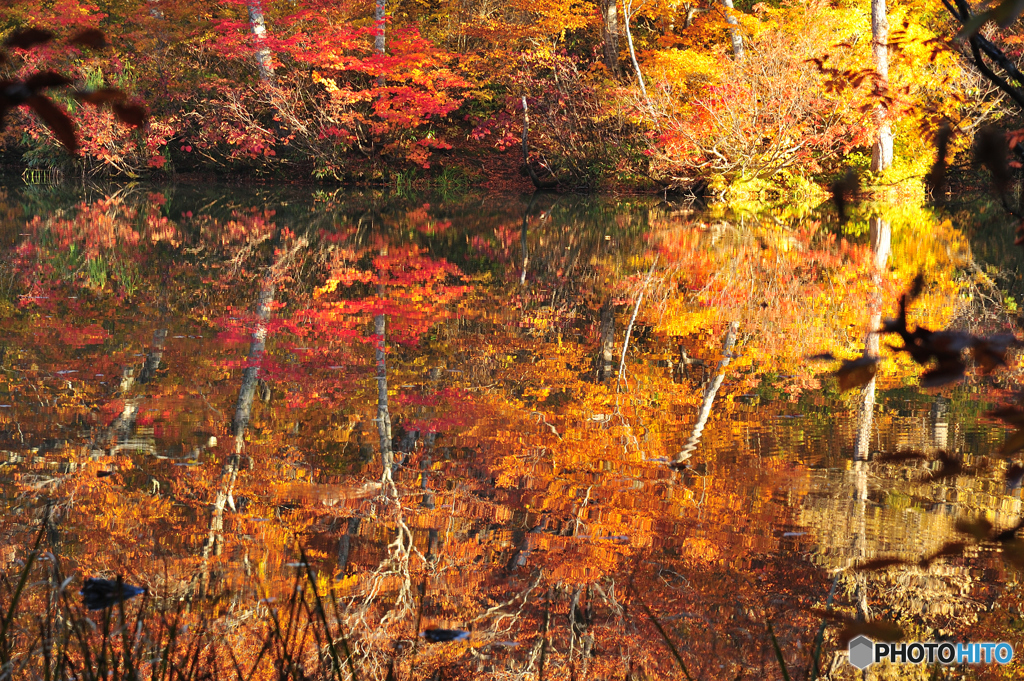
(856, 372)
(28, 92)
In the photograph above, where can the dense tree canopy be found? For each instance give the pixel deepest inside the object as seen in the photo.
(645, 94)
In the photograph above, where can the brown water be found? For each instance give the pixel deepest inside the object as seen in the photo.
(196, 383)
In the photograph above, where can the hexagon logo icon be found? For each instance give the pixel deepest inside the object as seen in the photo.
(862, 652)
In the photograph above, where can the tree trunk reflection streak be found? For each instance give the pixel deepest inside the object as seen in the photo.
(387, 456)
(607, 358)
(709, 396)
(632, 320)
(243, 407)
(881, 237)
(243, 411)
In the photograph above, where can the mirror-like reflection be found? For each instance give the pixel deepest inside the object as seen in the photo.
(548, 422)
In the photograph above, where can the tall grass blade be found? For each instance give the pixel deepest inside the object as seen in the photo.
(778, 652)
(327, 629)
(664, 636)
(344, 639)
(16, 596)
(814, 670)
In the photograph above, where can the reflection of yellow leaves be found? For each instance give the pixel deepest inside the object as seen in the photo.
(700, 548)
(679, 321)
(539, 393)
(347, 582)
(329, 287)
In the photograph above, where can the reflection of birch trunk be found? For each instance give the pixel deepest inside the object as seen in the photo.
(525, 250)
(632, 320)
(124, 423)
(580, 617)
(243, 408)
(860, 539)
(387, 456)
(939, 422)
(881, 236)
(526, 217)
(428, 497)
(214, 543)
(243, 412)
(153, 357)
(709, 396)
(345, 544)
(607, 340)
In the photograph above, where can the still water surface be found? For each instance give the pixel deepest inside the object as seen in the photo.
(430, 396)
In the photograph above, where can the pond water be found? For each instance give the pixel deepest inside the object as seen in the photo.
(527, 418)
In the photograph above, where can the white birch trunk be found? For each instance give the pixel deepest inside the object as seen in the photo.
(264, 63)
(709, 396)
(379, 14)
(734, 33)
(610, 14)
(881, 153)
(627, 15)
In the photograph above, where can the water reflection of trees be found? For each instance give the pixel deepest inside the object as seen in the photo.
(524, 497)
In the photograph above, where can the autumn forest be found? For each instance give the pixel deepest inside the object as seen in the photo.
(450, 339)
(642, 95)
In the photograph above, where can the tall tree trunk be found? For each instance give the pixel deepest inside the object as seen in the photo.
(537, 182)
(881, 153)
(264, 63)
(379, 15)
(610, 14)
(734, 33)
(627, 15)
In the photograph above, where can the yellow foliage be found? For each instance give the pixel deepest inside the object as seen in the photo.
(683, 71)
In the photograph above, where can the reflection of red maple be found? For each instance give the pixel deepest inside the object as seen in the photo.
(77, 337)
